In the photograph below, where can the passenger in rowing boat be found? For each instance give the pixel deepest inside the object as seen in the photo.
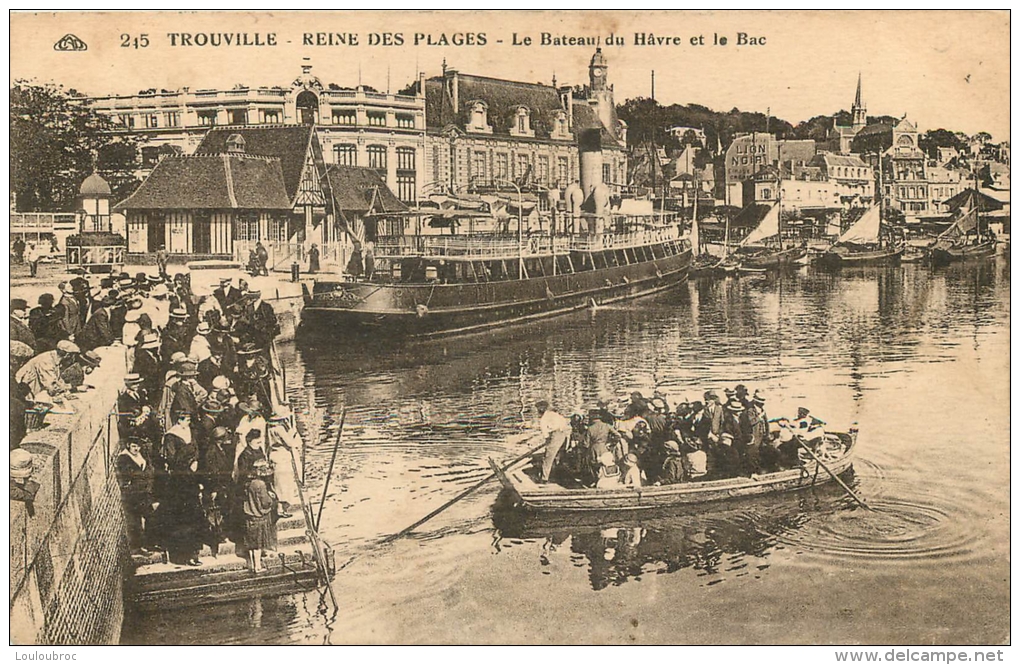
(673, 470)
(608, 474)
(754, 428)
(709, 426)
(598, 440)
(556, 429)
(726, 458)
(634, 476)
(695, 459)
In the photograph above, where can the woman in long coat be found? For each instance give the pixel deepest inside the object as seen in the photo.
(259, 505)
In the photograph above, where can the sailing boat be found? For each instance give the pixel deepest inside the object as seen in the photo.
(861, 244)
(965, 239)
(762, 248)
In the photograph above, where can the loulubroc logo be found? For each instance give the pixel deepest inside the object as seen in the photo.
(70, 42)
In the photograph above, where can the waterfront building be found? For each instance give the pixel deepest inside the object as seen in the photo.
(903, 177)
(852, 178)
(748, 153)
(943, 184)
(246, 185)
(356, 126)
(484, 132)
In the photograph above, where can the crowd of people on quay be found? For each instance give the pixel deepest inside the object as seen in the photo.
(651, 444)
(209, 454)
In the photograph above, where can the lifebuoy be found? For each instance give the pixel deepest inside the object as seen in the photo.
(421, 311)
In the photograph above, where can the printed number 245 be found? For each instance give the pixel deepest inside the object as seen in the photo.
(127, 41)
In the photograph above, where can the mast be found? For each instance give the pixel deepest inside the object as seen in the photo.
(694, 217)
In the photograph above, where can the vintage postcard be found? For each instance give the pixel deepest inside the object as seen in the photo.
(515, 327)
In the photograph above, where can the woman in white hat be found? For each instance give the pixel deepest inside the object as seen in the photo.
(199, 349)
(608, 472)
(634, 476)
(285, 456)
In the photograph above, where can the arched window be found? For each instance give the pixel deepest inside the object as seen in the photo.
(522, 122)
(308, 108)
(561, 129)
(479, 118)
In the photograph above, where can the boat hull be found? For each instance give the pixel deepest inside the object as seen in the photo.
(552, 498)
(836, 258)
(941, 256)
(774, 260)
(437, 309)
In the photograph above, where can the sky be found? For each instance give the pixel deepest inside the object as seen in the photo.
(943, 69)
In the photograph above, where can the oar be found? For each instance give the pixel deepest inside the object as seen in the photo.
(822, 464)
(332, 461)
(404, 532)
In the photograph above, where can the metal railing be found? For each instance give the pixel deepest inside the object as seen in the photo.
(283, 254)
(43, 222)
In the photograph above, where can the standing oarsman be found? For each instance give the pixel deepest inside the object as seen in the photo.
(556, 429)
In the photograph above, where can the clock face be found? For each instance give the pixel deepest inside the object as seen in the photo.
(598, 71)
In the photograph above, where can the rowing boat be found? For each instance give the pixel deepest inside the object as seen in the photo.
(549, 497)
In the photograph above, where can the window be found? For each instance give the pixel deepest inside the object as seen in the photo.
(345, 117)
(377, 159)
(172, 119)
(522, 122)
(345, 154)
(152, 120)
(128, 121)
(502, 165)
(405, 159)
(238, 117)
(405, 121)
(150, 157)
(523, 166)
(247, 228)
(207, 118)
(377, 119)
(607, 170)
(563, 171)
(278, 229)
(271, 116)
(543, 170)
(478, 165)
(479, 118)
(406, 187)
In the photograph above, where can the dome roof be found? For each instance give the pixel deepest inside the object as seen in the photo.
(94, 185)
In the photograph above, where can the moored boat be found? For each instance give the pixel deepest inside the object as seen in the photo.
(862, 244)
(965, 239)
(432, 284)
(763, 247)
(532, 496)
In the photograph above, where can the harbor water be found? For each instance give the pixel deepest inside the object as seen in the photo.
(919, 358)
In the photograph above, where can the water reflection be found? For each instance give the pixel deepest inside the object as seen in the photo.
(714, 542)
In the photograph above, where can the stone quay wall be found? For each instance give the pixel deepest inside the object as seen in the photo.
(68, 559)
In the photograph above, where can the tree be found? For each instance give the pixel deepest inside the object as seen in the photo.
(55, 136)
(933, 139)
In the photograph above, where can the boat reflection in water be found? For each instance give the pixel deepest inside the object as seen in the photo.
(714, 542)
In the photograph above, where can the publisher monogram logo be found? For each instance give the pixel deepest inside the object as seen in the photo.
(70, 42)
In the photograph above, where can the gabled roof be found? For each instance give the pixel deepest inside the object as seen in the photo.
(289, 144)
(880, 128)
(359, 189)
(211, 182)
(832, 159)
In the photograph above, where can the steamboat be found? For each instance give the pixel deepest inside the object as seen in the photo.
(433, 284)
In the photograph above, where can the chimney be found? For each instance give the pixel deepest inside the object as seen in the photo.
(567, 100)
(589, 146)
(452, 87)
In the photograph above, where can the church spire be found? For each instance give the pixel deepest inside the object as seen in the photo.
(858, 112)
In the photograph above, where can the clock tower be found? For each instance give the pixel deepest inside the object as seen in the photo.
(597, 71)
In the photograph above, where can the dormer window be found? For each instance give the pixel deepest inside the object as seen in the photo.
(522, 122)
(561, 128)
(479, 118)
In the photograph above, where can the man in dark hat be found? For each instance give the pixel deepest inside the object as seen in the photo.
(72, 316)
(215, 465)
(46, 323)
(740, 392)
(188, 394)
(710, 426)
(176, 337)
(264, 325)
(254, 376)
(98, 331)
(225, 293)
(755, 434)
(134, 416)
(638, 406)
(20, 332)
(162, 258)
(75, 373)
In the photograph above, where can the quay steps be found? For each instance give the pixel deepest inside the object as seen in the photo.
(157, 583)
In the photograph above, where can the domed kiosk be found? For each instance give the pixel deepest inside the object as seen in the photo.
(96, 248)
